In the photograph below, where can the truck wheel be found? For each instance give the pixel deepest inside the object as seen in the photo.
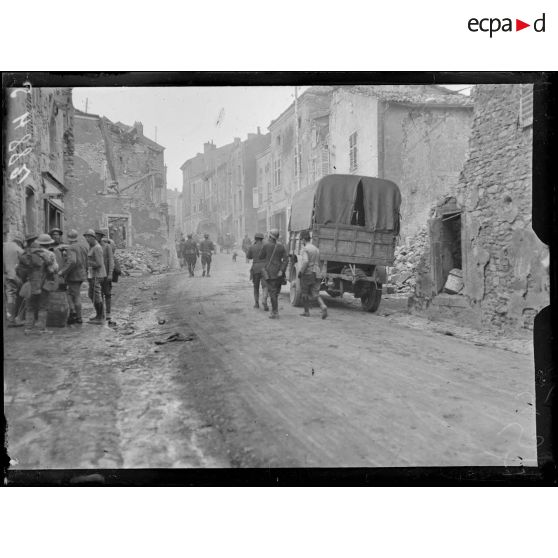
(371, 300)
(295, 294)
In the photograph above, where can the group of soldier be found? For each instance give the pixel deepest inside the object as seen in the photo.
(189, 251)
(38, 265)
(269, 264)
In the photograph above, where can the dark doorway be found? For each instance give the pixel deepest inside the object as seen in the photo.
(30, 211)
(445, 248)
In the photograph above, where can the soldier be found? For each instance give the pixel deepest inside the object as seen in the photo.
(38, 266)
(206, 249)
(310, 275)
(180, 251)
(74, 272)
(254, 253)
(56, 249)
(12, 283)
(96, 272)
(246, 243)
(276, 259)
(190, 254)
(106, 284)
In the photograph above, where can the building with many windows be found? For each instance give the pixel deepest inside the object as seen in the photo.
(298, 151)
(219, 188)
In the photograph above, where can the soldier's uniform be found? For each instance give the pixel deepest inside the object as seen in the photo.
(190, 254)
(206, 249)
(255, 253)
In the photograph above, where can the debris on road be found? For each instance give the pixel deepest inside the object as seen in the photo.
(176, 337)
(140, 260)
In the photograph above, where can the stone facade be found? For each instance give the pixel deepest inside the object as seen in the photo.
(504, 264)
(414, 135)
(39, 151)
(118, 182)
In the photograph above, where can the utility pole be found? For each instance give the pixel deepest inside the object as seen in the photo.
(297, 151)
(86, 103)
(155, 133)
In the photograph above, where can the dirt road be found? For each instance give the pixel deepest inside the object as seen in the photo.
(357, 389)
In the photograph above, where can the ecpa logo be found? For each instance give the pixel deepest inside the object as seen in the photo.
(492, 25)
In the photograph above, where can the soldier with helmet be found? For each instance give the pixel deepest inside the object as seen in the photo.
(106, 285)
(276, 259)
(96, 273)
(206, 250)
(38, 266)
(254, 252)
(190, 254)
(12, 283)
(74, 273)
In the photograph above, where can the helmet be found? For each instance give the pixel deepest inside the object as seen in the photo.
(45, 239)
(72, 234)
(206, 235)
(258, 235)
(274, 233)
(89, 232)
(99, 233)
(55, 230)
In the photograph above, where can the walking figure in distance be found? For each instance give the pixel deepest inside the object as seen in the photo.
(206, 250)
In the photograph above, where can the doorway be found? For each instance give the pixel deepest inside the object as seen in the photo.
(445, 247)
(119, 230)
(30, 211)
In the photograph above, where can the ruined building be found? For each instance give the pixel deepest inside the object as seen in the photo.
(414, 135)
(482, 227)
(118, 183)
(39, 150)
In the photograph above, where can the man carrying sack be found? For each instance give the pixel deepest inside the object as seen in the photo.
(310, 275)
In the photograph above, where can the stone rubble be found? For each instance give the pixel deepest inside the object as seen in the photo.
(140, 260)
(408, 259)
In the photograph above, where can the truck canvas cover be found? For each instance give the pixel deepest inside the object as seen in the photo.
(337, 198)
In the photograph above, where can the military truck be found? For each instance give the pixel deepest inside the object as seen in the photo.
(354, 221)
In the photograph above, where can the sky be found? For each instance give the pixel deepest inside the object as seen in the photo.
(182, 119)
(186, 117)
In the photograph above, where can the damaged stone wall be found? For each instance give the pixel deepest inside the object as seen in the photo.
(116, 172)
(504, 265)
(424, 150)
(505, 274)
(39, 140)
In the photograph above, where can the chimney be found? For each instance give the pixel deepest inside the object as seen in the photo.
(236, 140)
(208, 146)
(259, 131)
(139, 127)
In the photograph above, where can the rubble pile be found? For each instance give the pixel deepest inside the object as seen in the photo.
(139, 260)
(409, 260)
